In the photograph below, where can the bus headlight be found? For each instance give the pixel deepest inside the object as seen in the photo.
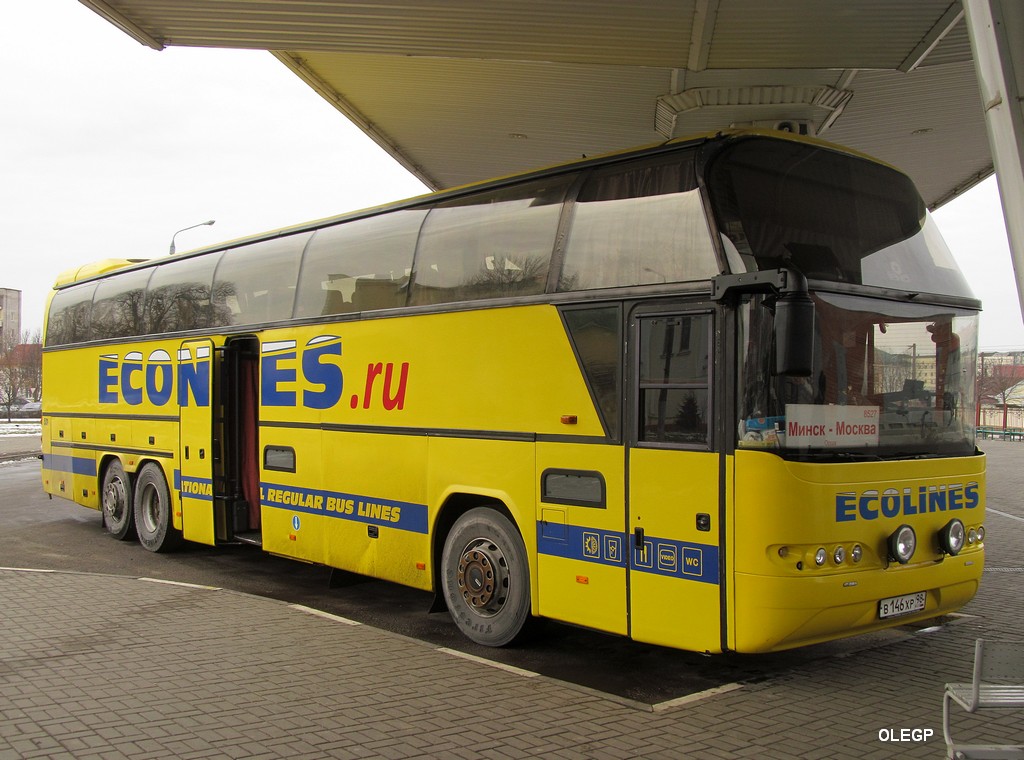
(951, 537)
(902, 544)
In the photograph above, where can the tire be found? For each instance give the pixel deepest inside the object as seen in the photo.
(153, 511)
(117, 502)
(485, 577)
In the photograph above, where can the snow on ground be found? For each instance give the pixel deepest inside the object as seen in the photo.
(20, 427)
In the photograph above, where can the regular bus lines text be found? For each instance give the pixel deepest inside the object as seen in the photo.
(310, 376)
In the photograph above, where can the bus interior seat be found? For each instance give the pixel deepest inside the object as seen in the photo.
(376, 294)
(335, 303)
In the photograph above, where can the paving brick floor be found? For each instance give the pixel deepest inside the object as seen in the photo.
(95, 666)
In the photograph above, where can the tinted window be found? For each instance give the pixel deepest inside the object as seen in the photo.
(256, 283)
(178, 297)
(118, 303)
(675, 355)
(832, 216)
(639, 225)
(359, 265)
(490, 245)
(597, 336)
(69, 315)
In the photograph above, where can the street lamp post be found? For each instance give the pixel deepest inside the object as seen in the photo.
(201, 224)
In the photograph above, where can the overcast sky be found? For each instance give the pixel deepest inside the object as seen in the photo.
(108, 147)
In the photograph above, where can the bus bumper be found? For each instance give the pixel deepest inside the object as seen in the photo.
(776, 613)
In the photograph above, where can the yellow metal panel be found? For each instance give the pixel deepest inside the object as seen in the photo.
(497, 371)
(583, 550)
(787, 511)
(674, 582)
(194, 484)
(380, 526)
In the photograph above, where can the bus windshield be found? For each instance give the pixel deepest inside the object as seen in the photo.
(830, 215)
(889, 379)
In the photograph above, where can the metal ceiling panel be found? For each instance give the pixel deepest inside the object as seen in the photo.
(459, 90)
(811, 34)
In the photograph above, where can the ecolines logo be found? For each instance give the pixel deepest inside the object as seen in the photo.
(891, 502)
(156, 378)
(290, 375)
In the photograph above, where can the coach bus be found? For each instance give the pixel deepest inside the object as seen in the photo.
(715, 394)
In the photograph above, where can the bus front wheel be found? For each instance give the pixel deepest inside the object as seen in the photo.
(485, 577)
(153, 510)
(116, 495)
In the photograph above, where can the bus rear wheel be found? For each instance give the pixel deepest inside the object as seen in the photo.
(485, 577)
(153, 520)
(117, 503)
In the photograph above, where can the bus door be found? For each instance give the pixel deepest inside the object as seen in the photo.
(194, 481)
(673, 475)
(237, 474)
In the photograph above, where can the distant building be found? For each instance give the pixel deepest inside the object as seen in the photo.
(10, 318)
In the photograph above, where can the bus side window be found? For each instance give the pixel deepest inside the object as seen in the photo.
(491, 245)
(117, 305)
(256, 283)
(178, 296)
(596, 334)
(69, 315)
(361, 265)
(674, 382)
(642, 224)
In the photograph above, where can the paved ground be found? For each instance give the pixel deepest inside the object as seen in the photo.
(114, 667)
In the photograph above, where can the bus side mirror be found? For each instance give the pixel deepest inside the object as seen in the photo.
(794, 334)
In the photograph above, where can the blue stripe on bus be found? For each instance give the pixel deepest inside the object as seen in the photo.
(661, 556)
(70, 464)
(200, 489)
(371, 510)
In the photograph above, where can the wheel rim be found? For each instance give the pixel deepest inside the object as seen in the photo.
(115, 501)
(483, 577)
(150, 509)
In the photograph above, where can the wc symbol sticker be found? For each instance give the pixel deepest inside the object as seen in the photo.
(693, 562)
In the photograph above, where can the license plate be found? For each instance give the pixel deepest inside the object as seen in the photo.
(895, 606)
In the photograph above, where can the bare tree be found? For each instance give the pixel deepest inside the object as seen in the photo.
(996, 383)
(21, 373)
(10, 384)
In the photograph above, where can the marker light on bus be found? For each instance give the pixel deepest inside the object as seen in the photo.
(856, 553)
(820, 556)
(839, 555)
(902, 544)
(951, 537)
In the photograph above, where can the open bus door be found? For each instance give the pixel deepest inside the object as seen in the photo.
(194, 482)
(237, 474)
(674, 481)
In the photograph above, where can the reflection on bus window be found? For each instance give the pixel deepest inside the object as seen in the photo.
(641, 225)
(490, 245)
(675, 379)
(360, 265)
(889, 377)
(117, 308)
(256, 283)
(179, 295)
(69, 315)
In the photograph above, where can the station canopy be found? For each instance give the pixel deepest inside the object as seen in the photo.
(462, 90)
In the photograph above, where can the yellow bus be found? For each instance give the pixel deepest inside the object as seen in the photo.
(715, 394)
